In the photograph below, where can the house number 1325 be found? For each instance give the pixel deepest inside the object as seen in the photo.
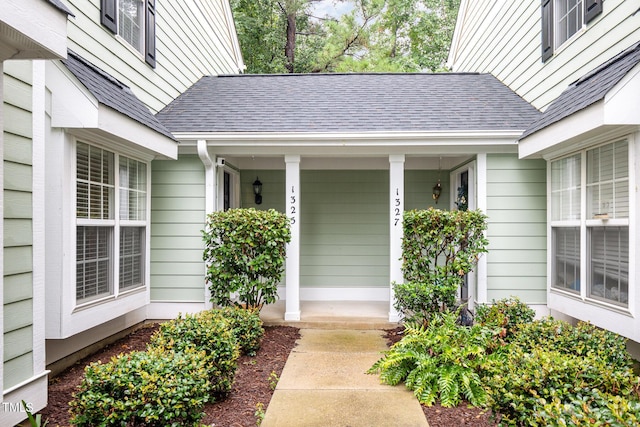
(292, 205)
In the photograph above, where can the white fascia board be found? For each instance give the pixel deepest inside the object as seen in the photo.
(32, 29)
(583, 124)
(74, 108)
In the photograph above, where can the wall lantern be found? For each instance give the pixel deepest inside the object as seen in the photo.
(257, 190)
(437, 190)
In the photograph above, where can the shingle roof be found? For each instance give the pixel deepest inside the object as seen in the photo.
(319, 103)
(587, 90)
(112, 93)
(58, 4)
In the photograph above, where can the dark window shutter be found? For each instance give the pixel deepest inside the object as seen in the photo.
(150, 36)
(109, 15)
(547, 29)
(592, 8)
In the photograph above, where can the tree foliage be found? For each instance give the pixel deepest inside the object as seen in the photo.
(278, 36)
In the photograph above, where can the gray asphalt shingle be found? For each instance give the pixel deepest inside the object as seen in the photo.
(58, 4)
(587, 90)
(318, 103)
(112, 93)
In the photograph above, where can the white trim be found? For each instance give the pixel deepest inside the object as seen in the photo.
(210, 201)
(396, 231)
(170, 310)
(233, 35)
(343, 294)
(292, 208)
(33, 29)
(457, 34)
(481, 199)
(38, 214)
(33, 391)
(1, 218)
(338, 138)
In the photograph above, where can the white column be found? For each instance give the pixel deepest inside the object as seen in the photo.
(396, 209)
(481, 198)
(292, 197)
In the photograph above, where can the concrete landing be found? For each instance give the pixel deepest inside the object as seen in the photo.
(324, 384)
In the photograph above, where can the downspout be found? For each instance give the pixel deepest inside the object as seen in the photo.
(210, 196)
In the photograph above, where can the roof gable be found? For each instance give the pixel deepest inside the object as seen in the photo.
(589, 89)
(356, 103)
(112, 93)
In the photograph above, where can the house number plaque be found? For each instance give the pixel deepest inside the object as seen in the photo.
(293, 205)
(397, 214)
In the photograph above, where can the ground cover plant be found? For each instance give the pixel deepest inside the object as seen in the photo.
(245, 256)
(529, 373)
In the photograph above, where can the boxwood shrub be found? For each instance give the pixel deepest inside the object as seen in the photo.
(208, 333)
(157, 388)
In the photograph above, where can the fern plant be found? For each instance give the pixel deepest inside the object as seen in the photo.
(440, 361)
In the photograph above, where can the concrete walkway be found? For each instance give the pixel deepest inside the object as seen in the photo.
(324, 383)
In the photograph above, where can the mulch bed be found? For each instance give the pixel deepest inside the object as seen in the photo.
(252, 384)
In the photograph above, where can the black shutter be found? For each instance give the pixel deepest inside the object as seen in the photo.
(109, 15)
(150, 33)
(592, 8)
(547, 29)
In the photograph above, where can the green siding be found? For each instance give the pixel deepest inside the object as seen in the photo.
(177, 218)
(17, 224)
(516, 207)
(418, 189)
(272, 189)
(344, 214)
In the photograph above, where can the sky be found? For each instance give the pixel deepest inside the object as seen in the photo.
(332, 8)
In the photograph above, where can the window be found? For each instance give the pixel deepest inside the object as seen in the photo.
(561, 19)
(98, 226)
(135, 22)
(597, 211)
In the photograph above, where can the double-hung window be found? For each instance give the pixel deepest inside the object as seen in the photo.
(590, 223)
(135, 22)
(110, 225)
(561, 19)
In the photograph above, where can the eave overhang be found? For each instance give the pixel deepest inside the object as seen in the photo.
(616, 115)
(76, 109)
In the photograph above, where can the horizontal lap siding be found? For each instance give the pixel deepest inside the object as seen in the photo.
(516, 206)
(177, 218)
(272, 189)
(18, 224)
(418, 189)
(344, 229)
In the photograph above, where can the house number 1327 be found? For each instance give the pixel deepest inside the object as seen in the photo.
(397, 215)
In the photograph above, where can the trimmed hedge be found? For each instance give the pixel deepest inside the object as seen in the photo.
(155, 388)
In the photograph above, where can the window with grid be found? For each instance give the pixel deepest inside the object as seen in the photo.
(131, 22)
(565, 216)
(98, 226)
(603, 204)
(135, 22)
(569, 19)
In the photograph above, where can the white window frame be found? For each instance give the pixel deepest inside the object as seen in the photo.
(585, 224)
(116, 224)
(123, 18)
(559, 37)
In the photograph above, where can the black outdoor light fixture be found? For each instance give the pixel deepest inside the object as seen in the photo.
(437, 190)
(257, 190)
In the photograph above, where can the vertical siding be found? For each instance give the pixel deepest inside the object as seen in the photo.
(18, 224)
(516, 206)
(192, 39)
(504, 38)
(344, 228)
(177, 218)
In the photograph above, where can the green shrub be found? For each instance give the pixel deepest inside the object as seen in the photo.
(506, 314)
(155, 388)
(245, 325)
(442, 360)
(245, 254)
(593, 408)
(208, 333)
(438, 249)
(550, 364)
